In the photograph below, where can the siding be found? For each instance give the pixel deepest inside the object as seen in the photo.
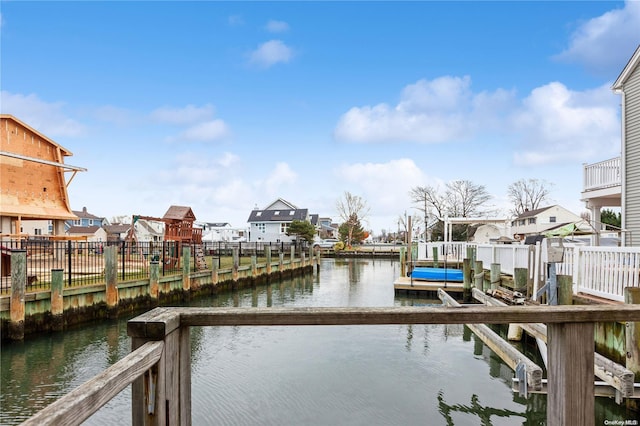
(632, 157)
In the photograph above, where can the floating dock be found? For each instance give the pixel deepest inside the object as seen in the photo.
(406, 285)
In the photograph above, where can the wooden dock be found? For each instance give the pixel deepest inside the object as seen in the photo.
(406, 284)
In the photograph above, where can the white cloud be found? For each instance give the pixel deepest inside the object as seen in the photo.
(439, 110)
(274, 26)
(235, 20)
(48, 118)
(280, 176)
(603, 44)
(270, 53)
(205, 132)
(555, 124)
(187, 115)
(384, 186)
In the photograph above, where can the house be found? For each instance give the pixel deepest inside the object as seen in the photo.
(89, 233)
(85, 219)
(221, 231)
(616, 182)
(33, 180)
(272, 223)
(546, 219)
(117, 231)
(148, 230)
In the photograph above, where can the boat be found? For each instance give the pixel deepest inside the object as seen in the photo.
(436, 274)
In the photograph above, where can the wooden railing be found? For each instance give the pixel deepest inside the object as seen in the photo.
(604, 174)
(160, 366)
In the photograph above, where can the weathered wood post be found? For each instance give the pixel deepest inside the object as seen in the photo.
(570, 400)
(18, 284)
(632, 342)
(292, 256)
(186, 272)
(435, 257)
(466, 280)
(520, 281)
(403, 262)
(267, 253)
(471, 254)
(154, 281)
(494, 275)
(478, 275)
(565, 290)
(162, 396)
(280, 264)
(254, 267)
(57, 299)
(111, 278)
(214, 272)
(236, 265)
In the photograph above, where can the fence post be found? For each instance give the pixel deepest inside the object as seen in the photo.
(435, 256)
(111, 277)
(494, 275)
(570, 400)
(565, 290)
(236, 264)
(293, 255)
(186, 270)
(169, 380)
(254, 266)
(632, 337)
(214, 270)
(281, 263)
(18, 284)
(466, 279)
(57, 299)
(478, 275)
(267, 253)
(154, 278)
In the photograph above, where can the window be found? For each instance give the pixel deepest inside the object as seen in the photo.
(277, 213)
(292, 212)
(522, 222)
(77, 222)
(532, 220)
(284, 228)
(37, 231)
(90, 222)
(259, 214)
(552, 219)
(261, 227)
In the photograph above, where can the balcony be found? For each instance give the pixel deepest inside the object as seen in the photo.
(602, 183)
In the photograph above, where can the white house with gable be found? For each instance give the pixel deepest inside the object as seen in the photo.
(271, 224)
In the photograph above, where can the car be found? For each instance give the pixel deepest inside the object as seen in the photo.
(327, 243)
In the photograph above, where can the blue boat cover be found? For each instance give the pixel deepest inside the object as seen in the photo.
(436, 274)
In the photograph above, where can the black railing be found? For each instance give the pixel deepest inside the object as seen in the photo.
(83, 262)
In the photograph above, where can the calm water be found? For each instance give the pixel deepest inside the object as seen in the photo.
(347, 375)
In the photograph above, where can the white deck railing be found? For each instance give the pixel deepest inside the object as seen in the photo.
(604, 174)
(598, 271)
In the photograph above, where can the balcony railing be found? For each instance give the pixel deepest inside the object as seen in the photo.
(604, 174)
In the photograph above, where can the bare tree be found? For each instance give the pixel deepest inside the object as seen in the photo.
(464, 198)
(352, 209)
(528, 194)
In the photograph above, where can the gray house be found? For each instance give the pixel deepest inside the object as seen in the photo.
(616, 182)
(271, 224)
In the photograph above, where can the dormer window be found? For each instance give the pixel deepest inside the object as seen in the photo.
(277, 213)
(258, 213)
(292, 212)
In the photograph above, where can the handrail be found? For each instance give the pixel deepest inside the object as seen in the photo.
(82, 402)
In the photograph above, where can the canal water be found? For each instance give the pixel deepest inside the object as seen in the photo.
(313, 375)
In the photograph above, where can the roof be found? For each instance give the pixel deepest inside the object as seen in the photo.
(531, 213)
(117, 229)
(179, 213)
(84, 214)
(83, 230)
(287, 215)
(628, 70)
(65, 152)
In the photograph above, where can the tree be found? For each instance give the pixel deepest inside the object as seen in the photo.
(528, 194)
(352, 231)
(460, 198)
(609, 217)
(352, 209)
(302, 229)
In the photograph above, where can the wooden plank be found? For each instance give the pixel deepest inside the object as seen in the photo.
(185, 376)
(79, 404)
(197, 316)
(154, 324)
(571, 394)
(510, 355)
(606, 370)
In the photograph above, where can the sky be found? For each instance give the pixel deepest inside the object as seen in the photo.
(224, 106)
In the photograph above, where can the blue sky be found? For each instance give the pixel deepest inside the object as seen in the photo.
(225, 105)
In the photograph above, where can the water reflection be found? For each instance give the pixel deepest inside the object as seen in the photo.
(374, 375)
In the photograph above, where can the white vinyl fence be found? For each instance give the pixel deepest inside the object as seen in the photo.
(598, 271)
